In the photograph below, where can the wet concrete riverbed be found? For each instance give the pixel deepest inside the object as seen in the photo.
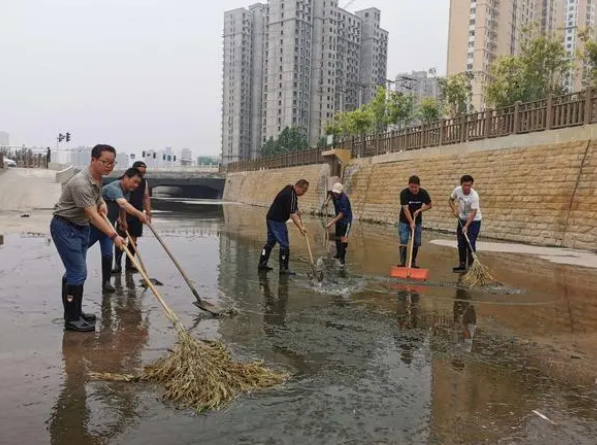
(373, 362)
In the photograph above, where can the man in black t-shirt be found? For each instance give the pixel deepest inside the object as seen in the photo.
(285, 206)
(414, 200)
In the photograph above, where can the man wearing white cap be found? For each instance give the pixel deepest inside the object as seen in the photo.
(342, 220)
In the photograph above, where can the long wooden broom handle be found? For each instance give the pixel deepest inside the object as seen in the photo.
(169, 312)
(310, 253)
(138, 254)
(411, 245)
(182, 272)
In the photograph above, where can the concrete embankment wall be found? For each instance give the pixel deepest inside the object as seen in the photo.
(544, 194)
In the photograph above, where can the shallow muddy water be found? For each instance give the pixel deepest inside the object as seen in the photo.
(372, 361)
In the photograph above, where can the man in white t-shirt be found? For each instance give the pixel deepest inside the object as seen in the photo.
(469, 217)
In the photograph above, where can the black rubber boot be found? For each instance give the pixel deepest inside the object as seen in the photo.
(90, 318)
(460, 268)
(73, 320)
(343, 255)
(264, 258)
(284, 261)
(402, 257)
(414, 264)
(130, 266)
(117, 261)
(106, 274)
(338, 250)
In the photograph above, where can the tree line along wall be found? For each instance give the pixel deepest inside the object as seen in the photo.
(543, 194)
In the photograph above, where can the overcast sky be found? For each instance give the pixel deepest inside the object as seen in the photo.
(146, 74)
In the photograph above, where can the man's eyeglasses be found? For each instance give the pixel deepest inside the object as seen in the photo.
(108, 163)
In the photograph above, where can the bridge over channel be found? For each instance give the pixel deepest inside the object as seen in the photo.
(189, 182)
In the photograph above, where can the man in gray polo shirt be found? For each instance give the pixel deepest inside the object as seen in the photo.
(81, 203)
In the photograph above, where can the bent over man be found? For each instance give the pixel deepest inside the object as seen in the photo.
(342, 220)
(285, 206)
(81, 203)
(116, 195)
(414, 200)
(469, 217)
(140, 200)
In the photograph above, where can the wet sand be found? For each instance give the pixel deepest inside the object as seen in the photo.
(381, 364)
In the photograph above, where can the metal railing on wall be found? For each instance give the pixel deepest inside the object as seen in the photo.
(552, 113)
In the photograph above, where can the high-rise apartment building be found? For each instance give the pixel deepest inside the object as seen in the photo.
(574, 16)
(480, 31)
(242, 86)
(374, 53)
(294, 63)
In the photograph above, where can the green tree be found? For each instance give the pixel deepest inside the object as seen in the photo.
(455, 93)
(430, 110)
(290, 139)
(400, 108)
(378, 108)
(338, 126)
(508, 84)
(322, 142)
(538, 71)
(589, 57)
(270, 148)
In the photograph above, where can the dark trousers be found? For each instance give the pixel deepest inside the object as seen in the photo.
(277, 232)
(463, 247)
(106, 244)
(71, 241)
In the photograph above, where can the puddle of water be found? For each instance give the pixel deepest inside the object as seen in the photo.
(371, 363)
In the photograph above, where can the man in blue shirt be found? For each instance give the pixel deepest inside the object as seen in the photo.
(342, 220)
(116, 195)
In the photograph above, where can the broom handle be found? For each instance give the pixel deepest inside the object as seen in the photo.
(128, 235)
(182, 272)
(468, 241)
(169, 312)
(411, 244)
(310, 253)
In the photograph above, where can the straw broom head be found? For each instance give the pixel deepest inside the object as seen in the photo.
(478, 275)
(200, 375)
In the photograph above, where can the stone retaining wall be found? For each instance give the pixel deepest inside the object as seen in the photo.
(544, 194)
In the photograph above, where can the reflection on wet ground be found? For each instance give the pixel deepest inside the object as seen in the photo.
(373, 361)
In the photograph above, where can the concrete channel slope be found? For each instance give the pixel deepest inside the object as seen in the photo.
(26, 189)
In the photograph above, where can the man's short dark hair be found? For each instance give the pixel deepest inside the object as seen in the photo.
(96, 152)
(139, 164)
(466, 178)
(302, 183)
(131, 173)
(414, 180)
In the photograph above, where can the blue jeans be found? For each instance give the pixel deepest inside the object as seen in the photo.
(277, 232)
(71, 241)
(106, 244)
(404, 232)
(463, 248)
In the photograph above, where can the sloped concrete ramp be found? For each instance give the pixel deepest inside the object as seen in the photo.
(24, 189)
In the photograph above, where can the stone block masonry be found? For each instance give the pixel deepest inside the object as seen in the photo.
(543, 194)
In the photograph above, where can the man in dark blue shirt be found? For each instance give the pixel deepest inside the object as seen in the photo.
(342, 220)
(285, 206)
(115, 195)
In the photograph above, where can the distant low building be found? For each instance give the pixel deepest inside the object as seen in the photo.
(186, 156)
(160, 158)
(418, 83)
